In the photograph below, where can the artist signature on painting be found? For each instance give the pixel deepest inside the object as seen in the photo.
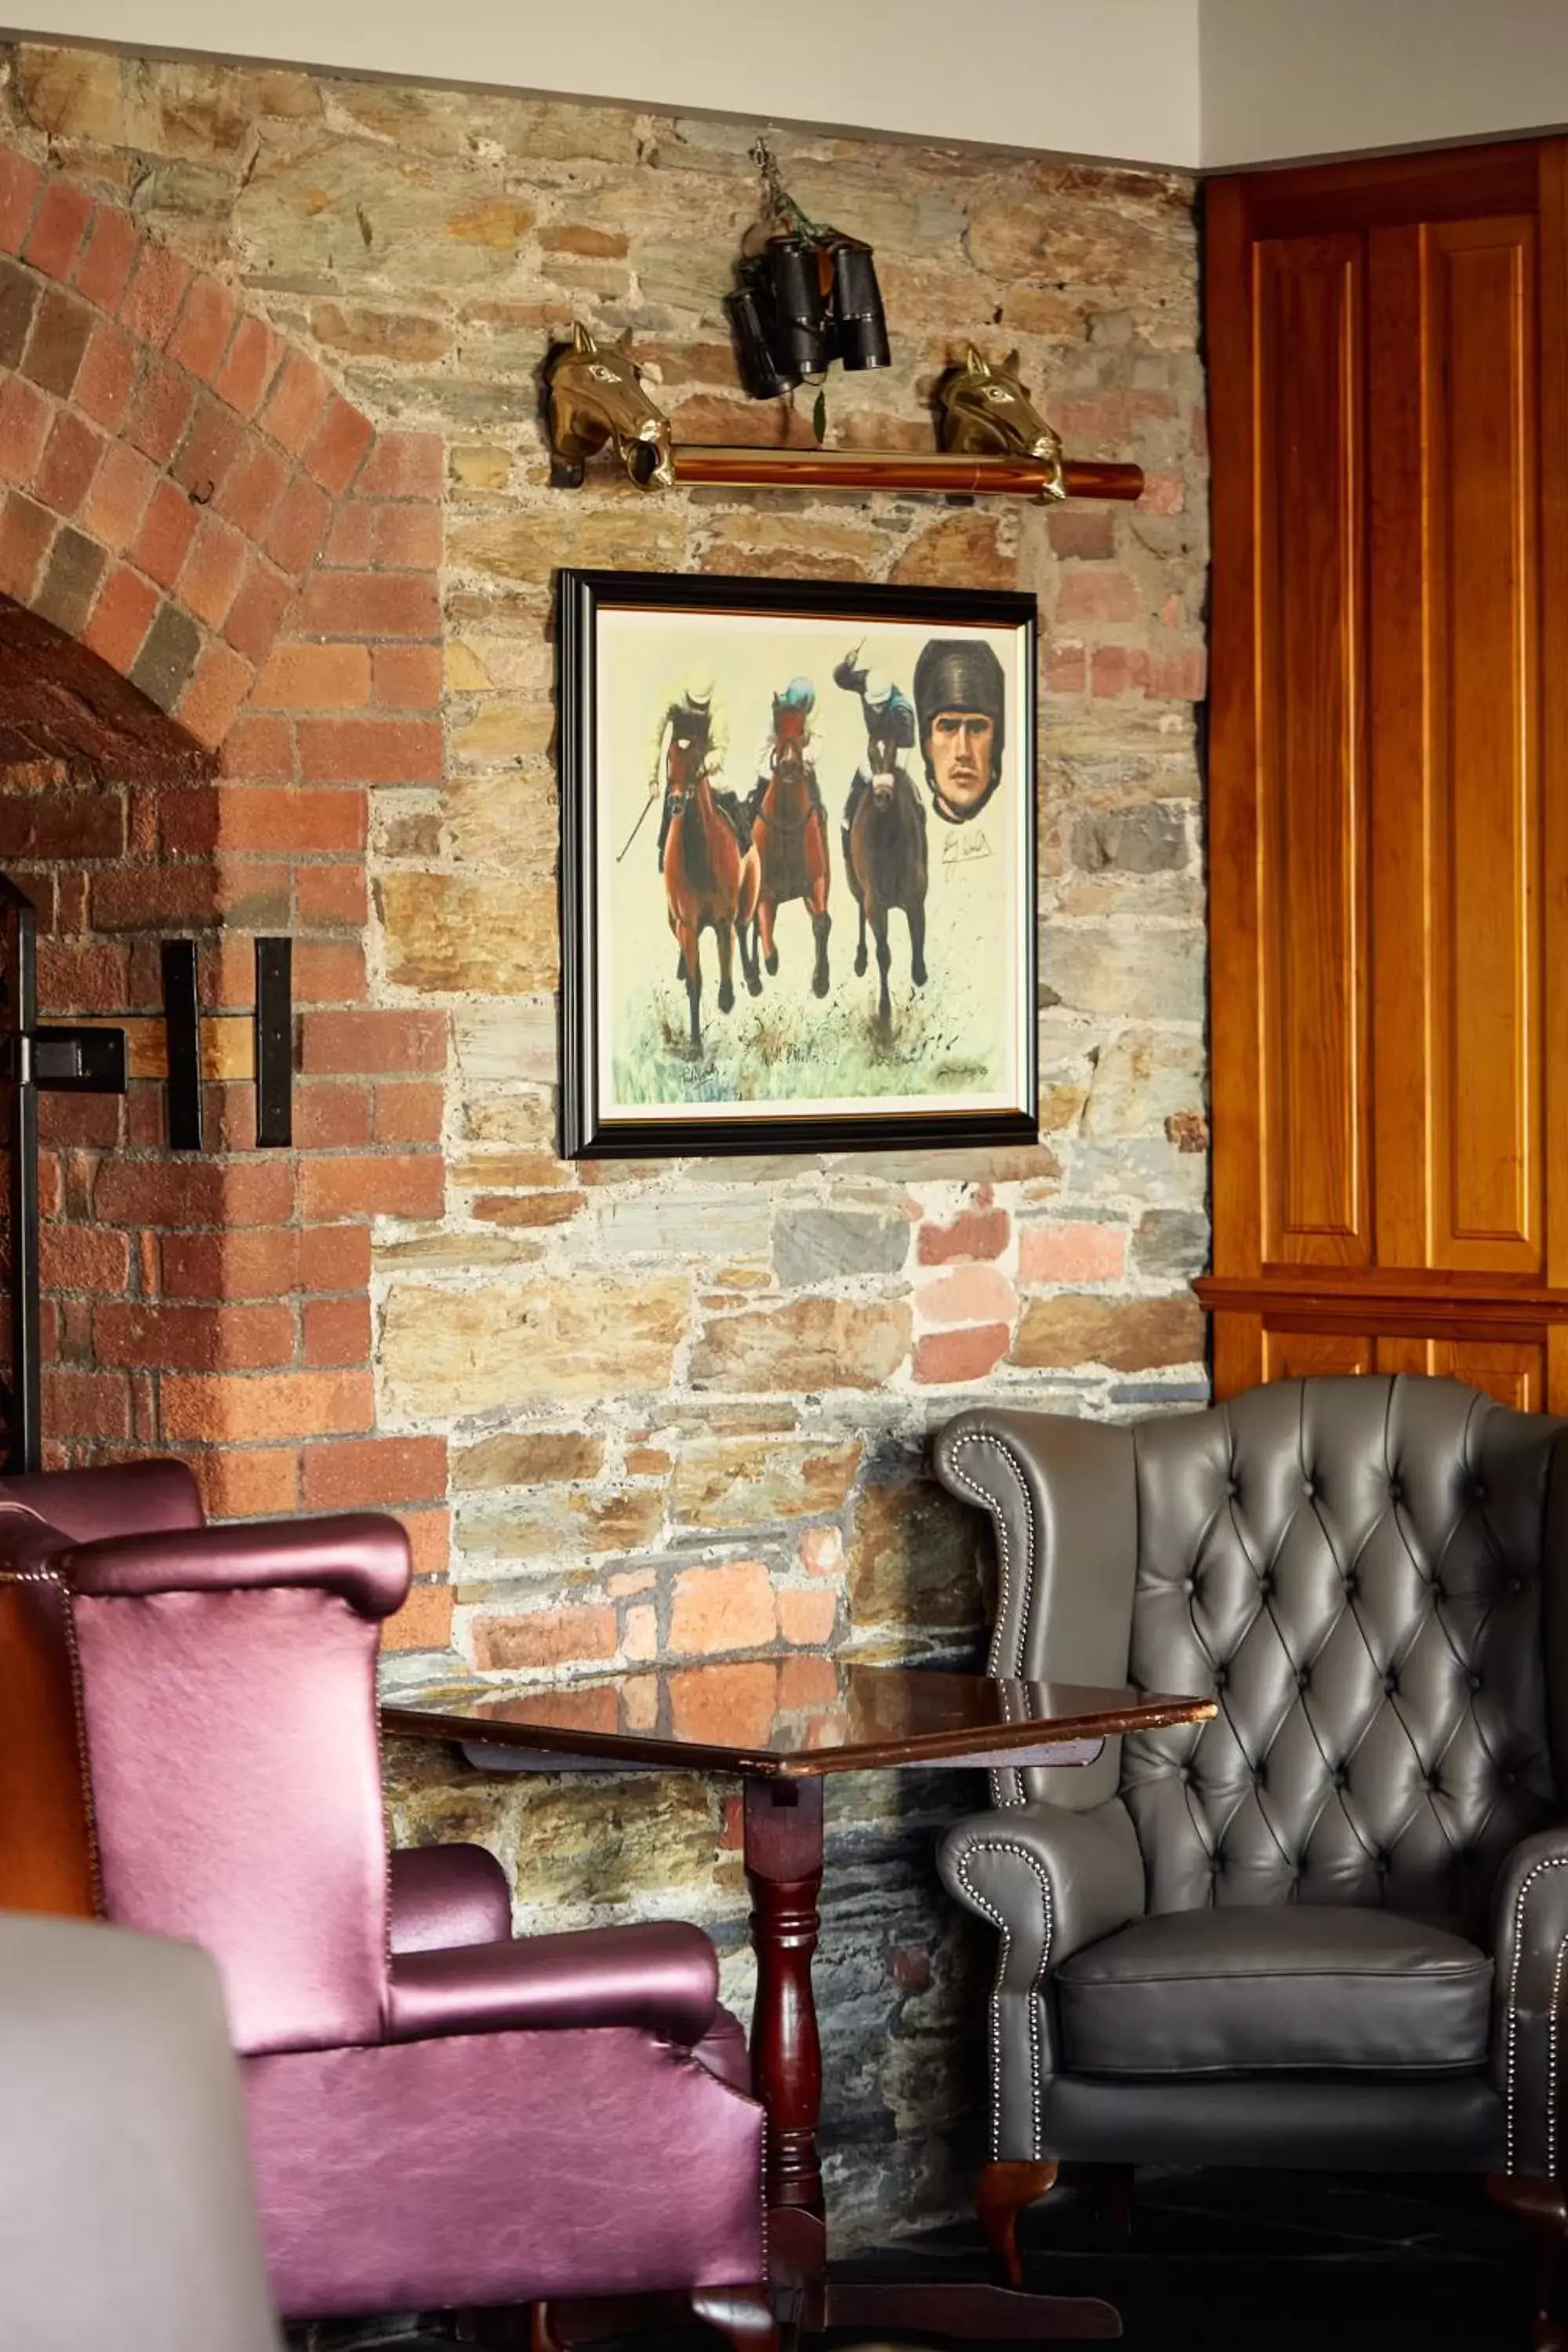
(964, 848)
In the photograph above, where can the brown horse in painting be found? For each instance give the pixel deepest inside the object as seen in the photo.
(789, 828)
(711, 877)
(885, 858)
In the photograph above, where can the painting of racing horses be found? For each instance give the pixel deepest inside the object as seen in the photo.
(745, 763)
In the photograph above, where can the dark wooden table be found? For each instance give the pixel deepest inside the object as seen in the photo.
(783, 1724)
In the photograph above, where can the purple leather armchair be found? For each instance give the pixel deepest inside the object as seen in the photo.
(440, 2117)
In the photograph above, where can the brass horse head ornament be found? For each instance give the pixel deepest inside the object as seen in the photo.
(986, 411)
(595, 396)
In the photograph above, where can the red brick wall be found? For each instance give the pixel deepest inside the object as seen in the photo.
(189, 507)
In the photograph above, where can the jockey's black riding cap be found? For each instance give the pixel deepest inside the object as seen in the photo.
(962, 673)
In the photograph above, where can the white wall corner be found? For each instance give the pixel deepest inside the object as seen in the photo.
(1299, 78)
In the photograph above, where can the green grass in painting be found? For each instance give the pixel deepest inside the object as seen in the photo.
(782, 1046)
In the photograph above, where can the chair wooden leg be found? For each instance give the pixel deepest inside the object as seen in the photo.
(742, 2315)
(1543, 2205)
(1005, 2188)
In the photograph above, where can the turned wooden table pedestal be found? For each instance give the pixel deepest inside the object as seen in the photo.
(783, 1724)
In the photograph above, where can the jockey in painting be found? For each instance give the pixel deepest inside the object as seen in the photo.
(691, 714)
(889, 726)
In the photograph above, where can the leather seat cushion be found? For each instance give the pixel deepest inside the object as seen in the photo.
(1253, 1988)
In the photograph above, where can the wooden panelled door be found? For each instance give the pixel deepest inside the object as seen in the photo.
(1388, 773)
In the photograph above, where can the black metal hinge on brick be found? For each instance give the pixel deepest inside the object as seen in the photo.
(182, 1033)
(274, 1043)
(45, 1057)
(35, 1058)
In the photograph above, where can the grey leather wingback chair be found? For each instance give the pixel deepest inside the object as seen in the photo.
(1329, 1927)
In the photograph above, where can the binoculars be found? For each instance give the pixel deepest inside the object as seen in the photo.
(800, 305)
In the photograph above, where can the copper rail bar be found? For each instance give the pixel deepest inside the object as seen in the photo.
(861, 469)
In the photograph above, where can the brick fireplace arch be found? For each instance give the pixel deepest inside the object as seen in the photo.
(219, 630)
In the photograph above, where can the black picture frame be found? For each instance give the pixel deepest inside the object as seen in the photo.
(585, 1133)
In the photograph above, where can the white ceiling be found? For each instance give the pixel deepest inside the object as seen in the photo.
(1188, 82)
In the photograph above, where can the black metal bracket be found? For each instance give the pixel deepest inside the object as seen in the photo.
(75, 1061)
(274, 1043)
(183, 1031)
(182, 1027)
(33, 1060)
(81, 1058)
(22, 1399)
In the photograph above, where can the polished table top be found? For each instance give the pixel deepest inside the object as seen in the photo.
(785, 1717)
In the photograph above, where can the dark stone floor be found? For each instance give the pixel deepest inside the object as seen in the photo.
(1232, 2262)
(1269, 2262)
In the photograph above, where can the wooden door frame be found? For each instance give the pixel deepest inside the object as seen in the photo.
(1238, 209)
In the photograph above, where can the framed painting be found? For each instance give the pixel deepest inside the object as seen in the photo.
(797, 866)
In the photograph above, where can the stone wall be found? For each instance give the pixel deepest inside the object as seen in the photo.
(686, 1405)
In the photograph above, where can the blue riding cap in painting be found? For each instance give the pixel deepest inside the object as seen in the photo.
(887, 707)
(793, 711)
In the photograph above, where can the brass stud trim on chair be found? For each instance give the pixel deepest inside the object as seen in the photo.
(983, 1904)
(995, 1664)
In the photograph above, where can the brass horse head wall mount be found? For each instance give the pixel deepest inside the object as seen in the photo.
(984, 411)
(595, 399)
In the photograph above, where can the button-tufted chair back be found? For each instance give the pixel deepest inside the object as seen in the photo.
(1366, 1574)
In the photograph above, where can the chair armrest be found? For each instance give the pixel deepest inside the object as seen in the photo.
(662, 1976)
(443, 1896)
(118, 1498)
(1062, 1497)
(362, 1556)
(1050, 1880)
(1531, 1995)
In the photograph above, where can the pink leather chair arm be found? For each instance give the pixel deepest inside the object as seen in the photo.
(121, 1498)
(662, 1976)
(362, 1556)
(443, 1896)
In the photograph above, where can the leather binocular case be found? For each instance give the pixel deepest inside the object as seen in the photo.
(801, 305)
